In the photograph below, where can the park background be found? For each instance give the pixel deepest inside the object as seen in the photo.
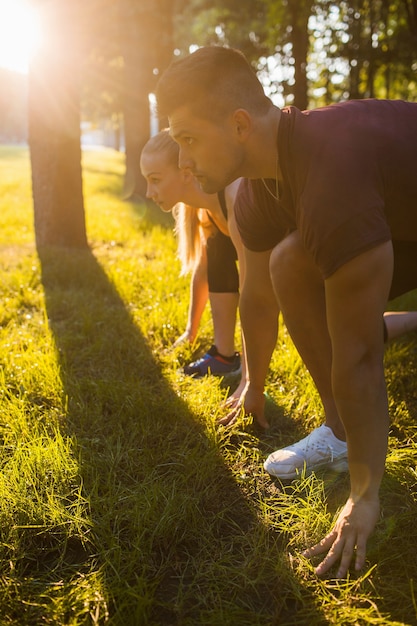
(121, 501)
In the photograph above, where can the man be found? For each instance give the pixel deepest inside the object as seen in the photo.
(330, 201)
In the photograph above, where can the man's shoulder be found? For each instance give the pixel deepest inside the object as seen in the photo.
(249, 191)
(231, 192)
(367, 106)
(260, 223)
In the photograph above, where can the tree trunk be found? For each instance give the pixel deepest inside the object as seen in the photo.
(146, 44)
(138, 85)
(54, 131)
(355, 48)
(300, 14)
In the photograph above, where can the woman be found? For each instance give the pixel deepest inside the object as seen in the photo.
(208, 246)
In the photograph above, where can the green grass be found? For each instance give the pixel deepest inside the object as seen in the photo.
(121, 500)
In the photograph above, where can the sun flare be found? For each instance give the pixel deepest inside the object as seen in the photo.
(20, 34)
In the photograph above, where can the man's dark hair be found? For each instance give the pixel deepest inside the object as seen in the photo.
(212, 81)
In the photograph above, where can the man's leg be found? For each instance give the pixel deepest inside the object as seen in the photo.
(299, 289)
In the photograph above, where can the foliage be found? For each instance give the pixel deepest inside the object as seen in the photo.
(263, 30)
(232, 22)
(354, 48)
(122, 502)
(379, 42)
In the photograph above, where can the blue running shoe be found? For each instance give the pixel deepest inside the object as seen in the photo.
(213, 363)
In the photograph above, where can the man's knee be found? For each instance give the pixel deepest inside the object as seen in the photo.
(291, 264)
(285, 257)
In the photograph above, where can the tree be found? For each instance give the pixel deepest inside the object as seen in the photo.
(379, 45)
(261, 29)
(102, 78)
(289, 35)
(147, 48)
(54, 127)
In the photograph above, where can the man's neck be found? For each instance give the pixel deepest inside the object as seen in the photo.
(262, 158)
(199, 199)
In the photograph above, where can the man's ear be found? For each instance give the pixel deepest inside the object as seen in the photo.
(242, 123)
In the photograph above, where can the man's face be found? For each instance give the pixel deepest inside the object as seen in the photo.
(209, 149)
(164, 181)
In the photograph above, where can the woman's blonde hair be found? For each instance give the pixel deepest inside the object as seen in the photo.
(192, 226)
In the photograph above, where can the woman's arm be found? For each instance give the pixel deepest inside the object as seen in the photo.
(198, 299)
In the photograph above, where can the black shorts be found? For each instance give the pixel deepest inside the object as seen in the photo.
(222, 271)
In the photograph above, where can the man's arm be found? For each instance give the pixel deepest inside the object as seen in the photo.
(356, 296)
(259, 319)
(230, 195)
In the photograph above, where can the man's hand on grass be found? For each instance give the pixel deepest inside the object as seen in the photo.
(346, 542)
(246, 399)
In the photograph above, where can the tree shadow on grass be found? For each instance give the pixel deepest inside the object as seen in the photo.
(171, 534)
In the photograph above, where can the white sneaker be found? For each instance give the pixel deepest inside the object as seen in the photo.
(320, 449)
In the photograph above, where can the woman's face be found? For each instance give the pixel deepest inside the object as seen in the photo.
(165, 183)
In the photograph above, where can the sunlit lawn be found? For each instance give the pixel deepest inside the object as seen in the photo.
(121, 500)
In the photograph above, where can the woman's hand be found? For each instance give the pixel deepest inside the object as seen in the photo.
(186, 336)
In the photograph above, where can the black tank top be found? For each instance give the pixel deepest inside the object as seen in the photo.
(222, 202)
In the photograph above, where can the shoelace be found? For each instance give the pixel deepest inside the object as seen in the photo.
(316, 445)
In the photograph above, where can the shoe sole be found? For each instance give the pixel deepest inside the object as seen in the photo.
(210, 373)
(341, 466)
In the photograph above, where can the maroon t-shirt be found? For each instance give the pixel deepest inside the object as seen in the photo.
(349, 182)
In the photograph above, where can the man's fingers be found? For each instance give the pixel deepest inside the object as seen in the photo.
(348, 552)
(330, 545)
(338, 548)
(360, 554)
(236, 409)
(323, 546)
(228, 419)
(231, 402)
